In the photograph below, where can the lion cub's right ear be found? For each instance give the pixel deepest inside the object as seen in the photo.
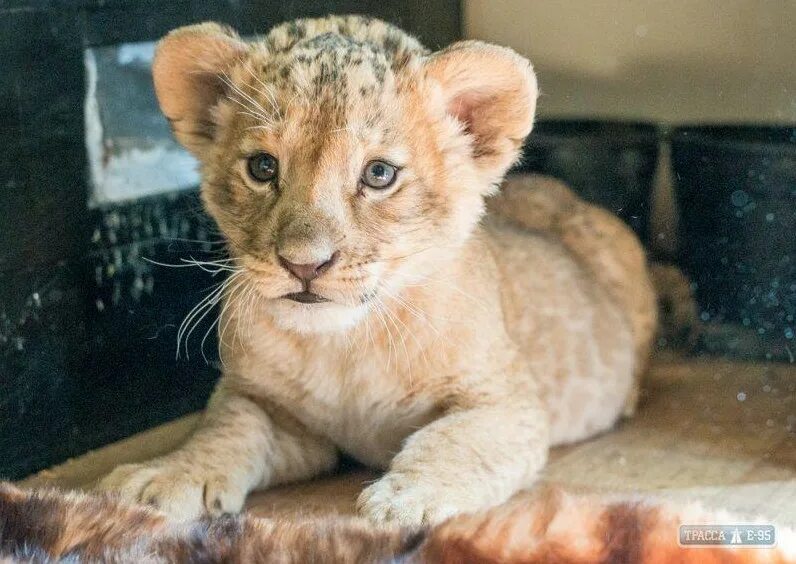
(190, 68)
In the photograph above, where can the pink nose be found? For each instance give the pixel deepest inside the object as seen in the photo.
(310, 271)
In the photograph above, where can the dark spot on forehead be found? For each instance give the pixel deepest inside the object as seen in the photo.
(296, 30)
(268, 67)
(326, 41)
(392, 43)
(330, 79)
(379, 70)
(344, 32)
(354, 25)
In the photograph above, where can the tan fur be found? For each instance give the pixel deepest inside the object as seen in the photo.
(601, 242)
(553, 527)
(452, 352)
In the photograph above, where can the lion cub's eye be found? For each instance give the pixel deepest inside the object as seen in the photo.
(379, 175)
(262, 167)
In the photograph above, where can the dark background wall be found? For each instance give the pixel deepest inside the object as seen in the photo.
(87, 325)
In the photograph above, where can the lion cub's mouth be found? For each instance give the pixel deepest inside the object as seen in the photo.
(305, 298)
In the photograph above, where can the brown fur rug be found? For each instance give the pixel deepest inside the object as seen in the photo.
(52, 526)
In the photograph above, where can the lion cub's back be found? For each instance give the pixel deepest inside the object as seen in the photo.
(575, 337)
(602, 243)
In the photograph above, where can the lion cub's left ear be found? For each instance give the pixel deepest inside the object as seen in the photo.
(492, 91)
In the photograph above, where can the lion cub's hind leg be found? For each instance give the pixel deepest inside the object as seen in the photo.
(599, 241)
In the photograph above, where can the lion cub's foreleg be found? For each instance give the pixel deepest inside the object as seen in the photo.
(467, 460)
(238, 447)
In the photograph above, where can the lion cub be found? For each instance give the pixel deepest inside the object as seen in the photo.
(371, 311)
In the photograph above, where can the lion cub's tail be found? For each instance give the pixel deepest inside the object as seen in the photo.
(679, 325)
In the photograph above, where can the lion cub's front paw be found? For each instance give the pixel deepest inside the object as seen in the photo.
(408, 500)
(181, 490)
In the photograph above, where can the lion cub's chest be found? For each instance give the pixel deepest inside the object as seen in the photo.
(362, 406)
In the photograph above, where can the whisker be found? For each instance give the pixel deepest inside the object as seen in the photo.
(220, 265)
(207, 333)
(229, 306)
(420, 316)
(377, 310)
(199, 312)
(267, 93)
(257, 108)
(196, 323)
(247, 316)
(392, 318)
(207, 302)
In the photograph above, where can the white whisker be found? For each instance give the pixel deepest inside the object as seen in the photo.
(196, 323)
(199, 312)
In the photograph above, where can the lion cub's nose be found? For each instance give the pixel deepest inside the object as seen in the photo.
(310, 271)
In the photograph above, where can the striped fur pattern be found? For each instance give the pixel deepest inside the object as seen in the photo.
(50, 526)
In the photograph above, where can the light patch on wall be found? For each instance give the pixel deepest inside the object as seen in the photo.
(131, 151)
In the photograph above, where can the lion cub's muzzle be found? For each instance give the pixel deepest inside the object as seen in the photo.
(306, 273)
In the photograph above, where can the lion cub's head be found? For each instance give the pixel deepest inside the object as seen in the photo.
(341, 159)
